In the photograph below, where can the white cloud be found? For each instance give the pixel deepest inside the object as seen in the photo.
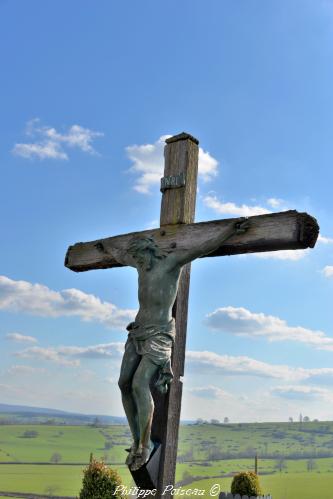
(208, 392)
(50, 144)
(37, 299)
(242, 366)
(208, 166)
(47, 354)
(275, 202)
(328, 271)
(324, 240)
(302, 392)
(102, 350)
(246, 366)
(244, 210)
(22, 369)
(44, 150)
(148, 163)
(233, 209)
(21, 338)
(293, 255)
(70, 355)
(11, 389)
(243, 322)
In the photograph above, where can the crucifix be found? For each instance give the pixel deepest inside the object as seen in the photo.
(154, 357)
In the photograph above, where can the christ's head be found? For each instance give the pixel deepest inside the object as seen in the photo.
(145, 251)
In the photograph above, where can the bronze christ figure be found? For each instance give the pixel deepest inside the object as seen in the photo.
(150, 337)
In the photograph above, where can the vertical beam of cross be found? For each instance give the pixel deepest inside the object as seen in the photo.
(177, 207)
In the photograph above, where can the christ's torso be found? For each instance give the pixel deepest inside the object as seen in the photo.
(157, 293)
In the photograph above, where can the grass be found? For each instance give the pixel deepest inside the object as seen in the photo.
(30, 478)
(74, 444)
(287, 486)
(288, 439)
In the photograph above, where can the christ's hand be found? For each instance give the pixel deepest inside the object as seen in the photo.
(241, 227)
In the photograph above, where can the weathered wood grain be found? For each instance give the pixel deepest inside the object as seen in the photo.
(271, 232)
(166, 420)
(177, 207)
(181, 156)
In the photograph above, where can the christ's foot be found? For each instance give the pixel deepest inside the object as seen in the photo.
(131, 454)
(142, 456)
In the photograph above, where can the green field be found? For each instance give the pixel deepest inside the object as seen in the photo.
(295, 461)
(197, 442)
(284, 486)
(74, 443)
(63, 480)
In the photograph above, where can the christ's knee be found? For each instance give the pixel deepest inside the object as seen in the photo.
(125, 385)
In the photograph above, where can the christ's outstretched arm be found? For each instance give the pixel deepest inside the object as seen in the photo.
(123, 257)
(182, 257)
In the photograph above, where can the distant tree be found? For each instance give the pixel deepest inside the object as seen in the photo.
(226, 420)
(199, 421)
(108, 445)
(49, 422)
(311, 465)
(55, 458)
(214, 454)
(214, 421)
(96, 423)
(188, 456)
(280, 465)
(291, 420)
(306, 419)
(250, 451)
(300, 418)
(6, 421)
(30, 434)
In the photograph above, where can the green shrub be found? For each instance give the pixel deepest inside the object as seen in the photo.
(246, 483)
(100, 482)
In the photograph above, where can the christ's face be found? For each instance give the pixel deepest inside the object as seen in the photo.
(143, 256)
(146, 252)
(143, 252)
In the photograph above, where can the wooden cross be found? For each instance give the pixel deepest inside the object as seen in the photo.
(276, 231)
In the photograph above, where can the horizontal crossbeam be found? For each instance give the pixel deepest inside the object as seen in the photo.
(271, 232)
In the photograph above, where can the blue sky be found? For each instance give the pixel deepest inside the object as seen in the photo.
(89, 92)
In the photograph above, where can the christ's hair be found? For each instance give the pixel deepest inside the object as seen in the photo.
(145, 245)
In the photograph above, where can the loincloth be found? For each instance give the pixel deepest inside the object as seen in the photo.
(154, 342)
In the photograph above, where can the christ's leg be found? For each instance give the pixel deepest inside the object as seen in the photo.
(145, 406)
(129, 365)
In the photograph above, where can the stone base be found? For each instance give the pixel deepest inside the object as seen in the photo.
(146, 477)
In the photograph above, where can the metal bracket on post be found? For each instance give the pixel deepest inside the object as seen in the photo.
(173, 182)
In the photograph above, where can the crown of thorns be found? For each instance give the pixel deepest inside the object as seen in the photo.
(146, 243)
(142, 243)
